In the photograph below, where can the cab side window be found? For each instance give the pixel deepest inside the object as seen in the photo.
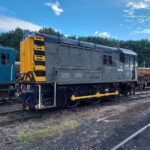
(4, 58)
(132, 61)
(122, 58)
(110, 60)
(127, 61)
(105, 59)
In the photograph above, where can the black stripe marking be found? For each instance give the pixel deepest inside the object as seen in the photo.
(40, 73)
(40, 43)
(42, 63)
(36, 52)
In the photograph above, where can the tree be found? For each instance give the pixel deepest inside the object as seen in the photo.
(141, 47)
(12, 39)
(50, 31)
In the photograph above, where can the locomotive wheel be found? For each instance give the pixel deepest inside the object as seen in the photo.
(71, 104)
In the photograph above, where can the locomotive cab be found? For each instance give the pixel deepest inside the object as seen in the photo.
(129, 66)
(128, 71)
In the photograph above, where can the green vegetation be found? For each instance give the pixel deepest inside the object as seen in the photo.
(50, 31)
(12, 39)
(141, 47)
(69, 124)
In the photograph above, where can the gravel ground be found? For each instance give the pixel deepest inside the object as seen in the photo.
(86, 127)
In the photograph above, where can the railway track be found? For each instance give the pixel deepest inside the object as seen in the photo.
(8, 118)
(132, 136)
(15, 113)
(9, 102)
(10, 108)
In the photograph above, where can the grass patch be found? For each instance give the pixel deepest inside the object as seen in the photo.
(69, 124)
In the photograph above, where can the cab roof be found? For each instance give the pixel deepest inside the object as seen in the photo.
(127, 51)
(7, 48)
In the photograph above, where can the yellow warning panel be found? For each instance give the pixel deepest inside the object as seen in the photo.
(26, 55)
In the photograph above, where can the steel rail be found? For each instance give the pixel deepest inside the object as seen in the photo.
(130, 137)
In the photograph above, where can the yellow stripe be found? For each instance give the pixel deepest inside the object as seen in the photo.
(38, 38)
(39, 47)
(40, 79)
(97, 95)
(40, 68)
(39, 58)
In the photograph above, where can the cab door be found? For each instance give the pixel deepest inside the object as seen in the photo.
(120, 68)
(4, 68)
(133, 67)
(127, 69)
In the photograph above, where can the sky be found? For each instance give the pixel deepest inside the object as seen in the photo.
(119, 19)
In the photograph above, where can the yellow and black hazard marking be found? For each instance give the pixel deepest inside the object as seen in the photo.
(39, 59)
(32, 58)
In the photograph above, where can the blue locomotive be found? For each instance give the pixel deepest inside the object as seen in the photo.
(7, 72)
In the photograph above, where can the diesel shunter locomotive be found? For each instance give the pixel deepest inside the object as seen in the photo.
(57, 71)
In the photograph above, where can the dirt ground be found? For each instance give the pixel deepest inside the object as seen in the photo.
(87, 127)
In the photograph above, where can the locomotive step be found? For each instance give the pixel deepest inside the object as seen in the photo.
(43, 106)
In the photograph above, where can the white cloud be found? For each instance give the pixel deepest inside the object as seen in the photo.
(137, 5)
(144, 31)
(96, 33)
(102, 34)
(137, 15)
(55, 7)
(132, 6)
(11, 23)
(105, 34)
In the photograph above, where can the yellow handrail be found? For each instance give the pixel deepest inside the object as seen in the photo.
(97, 95)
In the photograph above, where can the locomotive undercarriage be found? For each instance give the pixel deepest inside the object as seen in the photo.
(7, 92)
(39, 96)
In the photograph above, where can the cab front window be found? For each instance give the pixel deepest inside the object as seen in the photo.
(4, 58)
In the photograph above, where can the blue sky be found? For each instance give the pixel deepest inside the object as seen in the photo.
(120, 19)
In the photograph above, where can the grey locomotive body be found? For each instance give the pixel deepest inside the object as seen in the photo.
(77, 70)
(75, 62)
